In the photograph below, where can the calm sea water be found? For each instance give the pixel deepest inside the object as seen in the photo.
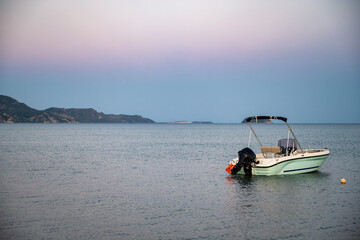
(164, 181)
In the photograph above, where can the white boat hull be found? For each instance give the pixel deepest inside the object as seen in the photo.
(309, 161)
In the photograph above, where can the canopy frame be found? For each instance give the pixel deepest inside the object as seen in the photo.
(256, 118)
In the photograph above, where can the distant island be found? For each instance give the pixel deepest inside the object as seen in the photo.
(202, 122)
(195, 122)
(12, 111)
(180, 122)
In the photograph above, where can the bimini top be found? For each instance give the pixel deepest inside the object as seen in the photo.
(265, 117)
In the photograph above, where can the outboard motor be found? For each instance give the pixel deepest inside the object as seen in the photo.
(245, 159)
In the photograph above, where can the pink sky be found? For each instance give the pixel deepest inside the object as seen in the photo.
(98, 33)
(168, 60)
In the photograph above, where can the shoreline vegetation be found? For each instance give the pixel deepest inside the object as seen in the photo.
(12, 111)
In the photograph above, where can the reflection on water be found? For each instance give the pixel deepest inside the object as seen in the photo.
(273, 183)
(287, 204)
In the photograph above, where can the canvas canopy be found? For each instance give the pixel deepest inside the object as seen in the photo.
(265, 117)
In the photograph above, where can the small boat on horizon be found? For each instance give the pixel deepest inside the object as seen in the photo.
(287, 157)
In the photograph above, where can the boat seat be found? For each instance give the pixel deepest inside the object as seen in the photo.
(270, 149)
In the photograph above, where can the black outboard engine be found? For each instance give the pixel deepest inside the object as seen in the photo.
(245, 159)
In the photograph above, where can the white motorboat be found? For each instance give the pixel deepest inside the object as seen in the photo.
(287, 157)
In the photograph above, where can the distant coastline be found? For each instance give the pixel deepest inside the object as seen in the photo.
(12, 111)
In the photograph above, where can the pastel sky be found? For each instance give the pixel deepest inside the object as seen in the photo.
(189, 60)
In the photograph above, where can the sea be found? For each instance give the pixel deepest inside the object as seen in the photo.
(168, 181)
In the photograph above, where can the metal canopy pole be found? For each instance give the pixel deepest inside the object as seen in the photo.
(294, 136)
(287, 143)
(255, 134)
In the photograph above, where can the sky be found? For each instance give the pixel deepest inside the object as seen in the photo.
(192, 60)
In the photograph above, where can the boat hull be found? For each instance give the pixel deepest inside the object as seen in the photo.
(290, 166)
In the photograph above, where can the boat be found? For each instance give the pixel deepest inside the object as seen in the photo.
(287, 157)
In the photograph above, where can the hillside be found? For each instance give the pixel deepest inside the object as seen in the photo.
(12, 111)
